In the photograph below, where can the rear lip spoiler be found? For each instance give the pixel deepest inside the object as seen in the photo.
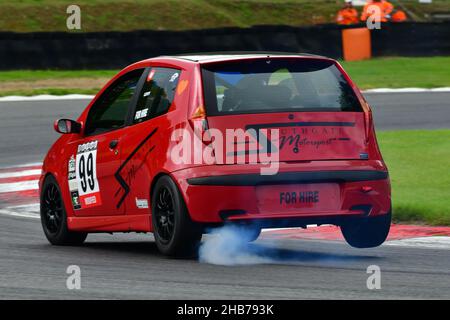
(301, 124)
(290, 178)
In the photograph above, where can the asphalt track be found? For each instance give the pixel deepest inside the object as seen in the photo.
(129, 266)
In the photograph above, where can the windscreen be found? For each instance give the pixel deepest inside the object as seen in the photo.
(276, 85)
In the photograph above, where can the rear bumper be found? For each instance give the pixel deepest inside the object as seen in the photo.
(338, 176)
(215, 194)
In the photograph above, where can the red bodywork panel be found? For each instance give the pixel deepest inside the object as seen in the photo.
(125, 174)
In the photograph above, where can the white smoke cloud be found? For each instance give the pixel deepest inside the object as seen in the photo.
(229, 246)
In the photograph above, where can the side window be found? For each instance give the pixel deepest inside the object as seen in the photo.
(157, 93)
(110, 111)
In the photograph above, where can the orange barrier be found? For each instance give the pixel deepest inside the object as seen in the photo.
(356, 44)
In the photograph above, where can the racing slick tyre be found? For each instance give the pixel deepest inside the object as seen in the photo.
(367, 232)
(175, 233)
(54, 217)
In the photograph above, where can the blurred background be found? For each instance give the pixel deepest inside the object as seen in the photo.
(403, 68)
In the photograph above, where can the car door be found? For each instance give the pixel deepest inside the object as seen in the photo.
(147, 139)
(96, 156)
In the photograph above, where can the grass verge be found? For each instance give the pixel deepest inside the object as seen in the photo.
(419, 167)
(398, 72)
(383, 72)
(126, 15)
(55, 82)
(35, 75)
(47, 91)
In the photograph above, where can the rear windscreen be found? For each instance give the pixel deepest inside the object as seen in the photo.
(276, 85)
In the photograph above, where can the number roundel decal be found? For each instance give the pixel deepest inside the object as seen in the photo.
(83, 183)
(86, 176)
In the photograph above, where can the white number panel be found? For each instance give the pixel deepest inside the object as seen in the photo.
(83, 183)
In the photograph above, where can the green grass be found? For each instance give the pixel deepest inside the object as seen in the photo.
(55, 82)
(419, 167)
(384, 72)
(400, 72)
(34, 75)
(124, 15)
(392, 72)
(52, 91)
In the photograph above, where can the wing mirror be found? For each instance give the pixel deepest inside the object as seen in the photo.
(67, 126)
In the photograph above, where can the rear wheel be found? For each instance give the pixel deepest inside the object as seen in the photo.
(174, 231)
(367, 232)
(54, 217)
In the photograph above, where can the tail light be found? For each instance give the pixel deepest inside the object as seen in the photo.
(199, 124)
(368, 123)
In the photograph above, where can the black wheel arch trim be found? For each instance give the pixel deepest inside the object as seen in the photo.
(290, 178)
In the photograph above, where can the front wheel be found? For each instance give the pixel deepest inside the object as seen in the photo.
(367, 232)
(174, 231)
(54, 217)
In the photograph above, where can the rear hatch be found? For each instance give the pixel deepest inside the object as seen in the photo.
(306, 102)
(301, 136)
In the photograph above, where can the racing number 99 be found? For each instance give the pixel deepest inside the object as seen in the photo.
(86, 172)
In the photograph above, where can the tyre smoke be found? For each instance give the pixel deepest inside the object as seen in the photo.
(230, 246)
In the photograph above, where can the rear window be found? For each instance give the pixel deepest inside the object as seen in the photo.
(276, 85)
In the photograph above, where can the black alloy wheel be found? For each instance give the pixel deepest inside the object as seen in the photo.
(54, 217)
(175, 233)
(51, 207)
(165, 215)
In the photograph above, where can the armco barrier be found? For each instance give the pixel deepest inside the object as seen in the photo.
(75, 50)
(412, 40)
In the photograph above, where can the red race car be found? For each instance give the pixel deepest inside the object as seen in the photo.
(177, 145)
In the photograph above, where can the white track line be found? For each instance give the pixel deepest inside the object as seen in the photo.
(24, 211)
(30, 208)
(25, 206)
(19, 214)
(24, 173)
(406, 90)
(309, 226)
(47, 97)
(434, 242)
(33, 164)
(19, 186)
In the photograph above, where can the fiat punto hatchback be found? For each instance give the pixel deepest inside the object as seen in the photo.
(179, 145)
